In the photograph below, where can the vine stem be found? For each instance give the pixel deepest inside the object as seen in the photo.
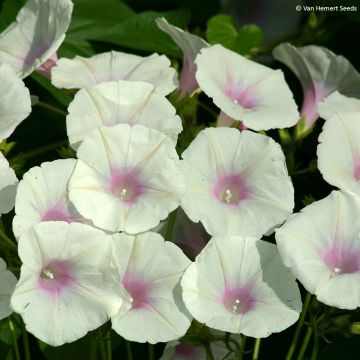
(151, 351)
(16, 347)
(7, 239)
(298, 327)
(305, 344)
(209, 354)
(51, 108)
(256, 349)
(242, 349)
(171, 225)
(44, 149)
(129, 354)
(26, 344)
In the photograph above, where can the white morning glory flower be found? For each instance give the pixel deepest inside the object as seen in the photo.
(82, 72)
(66, 285)
(245, 90)
(35, 36)
(321, 244)
(8, 185)
(150, 269)
(15, 104)
(320, 72)
(121, 102)
(127, 178)
(8, 282)
(190, 45)
(42, 195)
(337, 103)
(240, 285)
(339, 151)
(237, 182)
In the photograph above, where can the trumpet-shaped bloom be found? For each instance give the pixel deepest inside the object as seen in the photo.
(337, 103)
(8, 185)
(190, 45)
(36, 34)
(321, 245)
(339, 151)
(237, 182)
(42, 195)
(8, 282)
(240, 285)
(245, 90)
(15, 104)
(121, 102)
(66, 285)
(150, 269)
(320, 72)
(175, 350)
(82, 72)
(127, 178)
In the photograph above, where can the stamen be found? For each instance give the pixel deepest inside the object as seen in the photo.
(228, 196)
(47, 274)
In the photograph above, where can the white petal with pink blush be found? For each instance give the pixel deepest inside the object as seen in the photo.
(150, 269)
(15, 103)
(8, 186)
(320, 72)
(321, 244)
(237, 183)
(127, 178)
(240, 285)
(8, 282)
(121, 102)
(337, 103)
(245, 90)
(82, 72)
(66, 285)
(339, 151)
(190, 45)
(35, 36)
(42, 195)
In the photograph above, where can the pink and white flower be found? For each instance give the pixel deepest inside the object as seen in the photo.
(190, 45)
(8, 282)
(42, 195)
(8, 185)
(321, 72)
(66, 285)
(121, 102)
(240, 285)
(82, 72)
(126, 178)
(339, 151)
(150, 269)
(35, 36)
(237, 183)
(245, 90)
(321, 246)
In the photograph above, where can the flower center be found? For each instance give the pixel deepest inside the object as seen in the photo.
(231, 189)
(138, 291)
(55, 277)
(126, 185)
(341, 259)
(238, 300)
(240, 96)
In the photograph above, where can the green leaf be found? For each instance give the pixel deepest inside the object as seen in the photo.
(141, 33)
(70, 48)
(221, 30)
(60, 95)
(92, 18)
(249, 37)
(9, 10)
(5, 332)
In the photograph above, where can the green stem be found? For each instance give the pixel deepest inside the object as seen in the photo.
(256, 349)
(209, 354)
(4, 237)
(129, 351)
(102, 349)
(151, 351)
(242, 349)
(51, 108)
(305, 344)
(26, 344)
(16, 347)
(43, 149)
(108, 346)
(298, 327)
(315, 348)
(207, 109)
(171, 225)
